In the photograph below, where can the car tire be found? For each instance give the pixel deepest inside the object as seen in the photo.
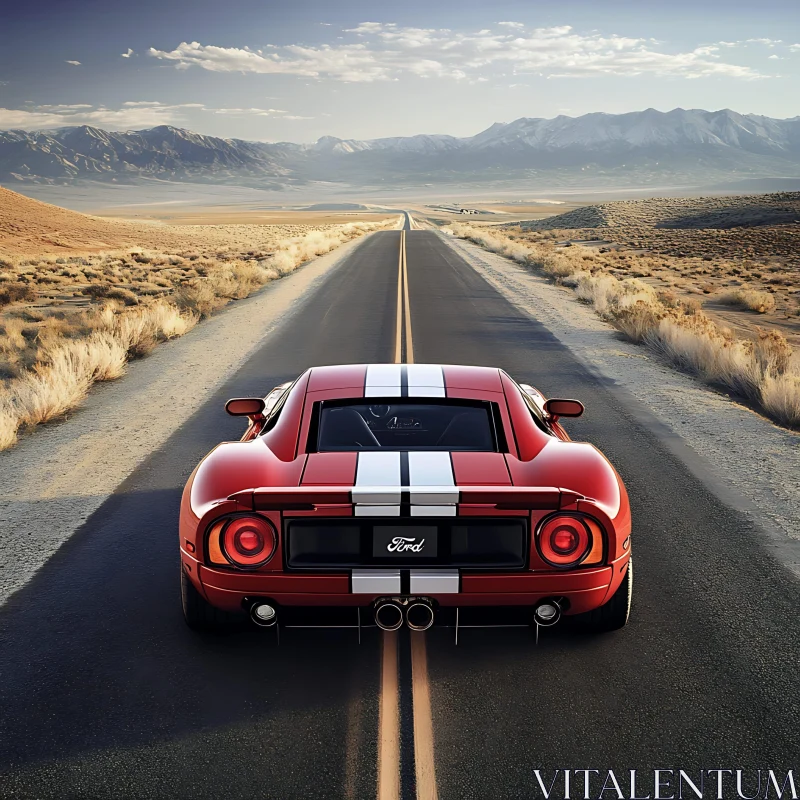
(614, 614)
(199, 614)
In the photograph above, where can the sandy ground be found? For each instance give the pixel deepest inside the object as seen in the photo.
(72, 467)
(750, 462)
(490, 213)
(32, 228)
(227, 216)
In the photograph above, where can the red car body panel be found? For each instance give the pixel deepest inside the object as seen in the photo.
(272, 474)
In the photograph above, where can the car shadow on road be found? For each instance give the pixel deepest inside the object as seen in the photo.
(95, 655)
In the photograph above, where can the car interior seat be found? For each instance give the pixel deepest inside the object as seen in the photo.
(345, 427)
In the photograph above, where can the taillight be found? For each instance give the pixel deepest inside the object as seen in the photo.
(248, 542)
(564, 541)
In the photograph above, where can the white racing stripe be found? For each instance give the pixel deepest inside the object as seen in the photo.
(420, 380)
(431, 485)
(434, 581)
(383, 380)
(431, 481)
(430, 469)
(376, 581)
(433, 511)
(362, 510)
(377, 479)
(425, 380)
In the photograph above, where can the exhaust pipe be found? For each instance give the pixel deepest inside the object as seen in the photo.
(419, 616)
(263, 614)
(547, 613)
(388, 615)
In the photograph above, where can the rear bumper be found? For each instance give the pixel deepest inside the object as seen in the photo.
(586, 589)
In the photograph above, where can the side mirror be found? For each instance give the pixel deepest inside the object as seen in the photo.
(563, 408)
(252, 407)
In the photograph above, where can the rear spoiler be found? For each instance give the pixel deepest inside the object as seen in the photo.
(308, 498)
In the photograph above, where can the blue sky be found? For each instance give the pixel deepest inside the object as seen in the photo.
(264, 70)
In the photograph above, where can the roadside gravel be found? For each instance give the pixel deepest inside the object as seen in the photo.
(54, 479)
(753, 464)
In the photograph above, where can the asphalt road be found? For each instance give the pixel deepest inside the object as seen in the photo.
(105, 693)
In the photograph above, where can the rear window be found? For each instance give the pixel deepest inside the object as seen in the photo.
(396, 424)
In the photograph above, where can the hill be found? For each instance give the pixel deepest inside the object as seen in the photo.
(680, 212)
(30, 226)
(749, 226)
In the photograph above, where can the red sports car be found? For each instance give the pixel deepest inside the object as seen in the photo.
(406, 494)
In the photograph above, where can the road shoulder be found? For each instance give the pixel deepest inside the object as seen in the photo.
(751, 464)
(56, 478)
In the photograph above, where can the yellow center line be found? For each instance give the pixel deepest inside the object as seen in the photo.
(398, 338)
(409, 341)
(389, 722)
(389, 704)
(423, 720)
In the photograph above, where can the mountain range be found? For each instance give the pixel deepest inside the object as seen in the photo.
(638, 146)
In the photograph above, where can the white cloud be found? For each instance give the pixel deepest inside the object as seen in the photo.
(511, 24)
(707, 50)
(767, 42)
(258, 112)
(64, 108)
(773, 56)
(295, 116)
(386, 51)
(371, 27)
(73, 63)
(347, 62)
(794, 47)
(44, 117)
(128, 54)
(133, 114)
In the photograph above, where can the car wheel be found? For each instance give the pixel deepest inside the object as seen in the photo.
(199, 614)
(614, 614)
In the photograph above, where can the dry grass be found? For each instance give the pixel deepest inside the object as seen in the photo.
(60, 383)
(751, 299)
(138, 332)
(759, 369)
(780, 397)
(496, 241)
(66, 370)
(725, 248)
(69, 321)
(9, 424)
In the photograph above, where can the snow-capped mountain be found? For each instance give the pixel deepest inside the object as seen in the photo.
(648, 128)
(695, 142)
(421, 143)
